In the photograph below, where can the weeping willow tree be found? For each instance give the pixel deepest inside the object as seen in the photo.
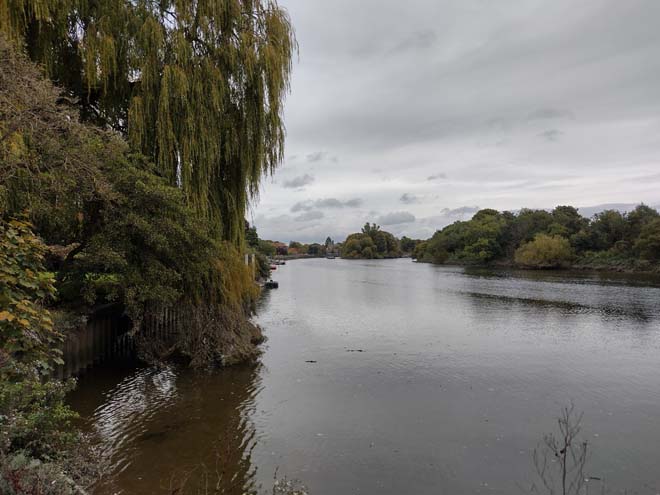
(196, 85)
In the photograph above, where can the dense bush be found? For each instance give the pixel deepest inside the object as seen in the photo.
(544, 252)
(37, 440)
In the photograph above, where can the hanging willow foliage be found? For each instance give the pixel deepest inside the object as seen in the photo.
(196, 85)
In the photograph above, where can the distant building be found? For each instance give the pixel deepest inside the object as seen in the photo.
(280, 248)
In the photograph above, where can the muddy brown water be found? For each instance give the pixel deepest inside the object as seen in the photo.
(391, 377)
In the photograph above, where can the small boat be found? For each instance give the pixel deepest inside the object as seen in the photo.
(330, 257)
(271, 284)
(273, 267)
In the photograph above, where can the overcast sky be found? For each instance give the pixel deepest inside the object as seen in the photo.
(414, 114)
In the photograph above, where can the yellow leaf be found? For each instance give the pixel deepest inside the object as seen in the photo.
(6, 316)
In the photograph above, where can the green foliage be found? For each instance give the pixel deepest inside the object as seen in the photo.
(197, 87)
(266, 248)
(408, 245)
(544, 252)
(610, 239)
(26, 328)
(370, 229)
(35, 423)
(36, 419)
(637, 219)
(567, 221)
(609, 227)
(128, 235)
(251, 236)
(420, 251)
(648, 242)
(476, 241)
(358, 246)
(371, 243)
(143, 246)
(263, 266)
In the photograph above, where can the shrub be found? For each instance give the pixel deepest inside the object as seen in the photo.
(544, 252)
(27, 335)
(36, 436)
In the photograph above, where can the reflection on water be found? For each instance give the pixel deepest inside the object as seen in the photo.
(167, 430)
(392, 377)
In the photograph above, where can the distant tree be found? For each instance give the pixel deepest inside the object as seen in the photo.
(370, 229)
(638, 218)
(584, 240)
(567, 221)
(316, 249)
(374, 243)
(251, 236)
(648, 243)
(266, 248)
(544, 252)
(419, 253)
(408, 244)
(358, 246)
(609, 227)
(295, 245)
(526, 224)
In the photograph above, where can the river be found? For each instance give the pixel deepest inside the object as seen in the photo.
(392, 377)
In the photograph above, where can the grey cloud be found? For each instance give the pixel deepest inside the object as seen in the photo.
(317, 156)
(409, 199)
(462, 211)
(353, 203)
(302, 206)
(550, 113)
(309, 215)
(433, 177)
(325, 203)
(396, 218)
(298, 182)
(417, 41)
(328, 203)
(551, 134)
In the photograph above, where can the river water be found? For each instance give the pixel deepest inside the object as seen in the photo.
(392, 377)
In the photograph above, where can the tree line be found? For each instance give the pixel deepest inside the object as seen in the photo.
(550, 239)
(529, 238)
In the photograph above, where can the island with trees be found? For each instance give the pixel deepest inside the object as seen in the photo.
(371, 243)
